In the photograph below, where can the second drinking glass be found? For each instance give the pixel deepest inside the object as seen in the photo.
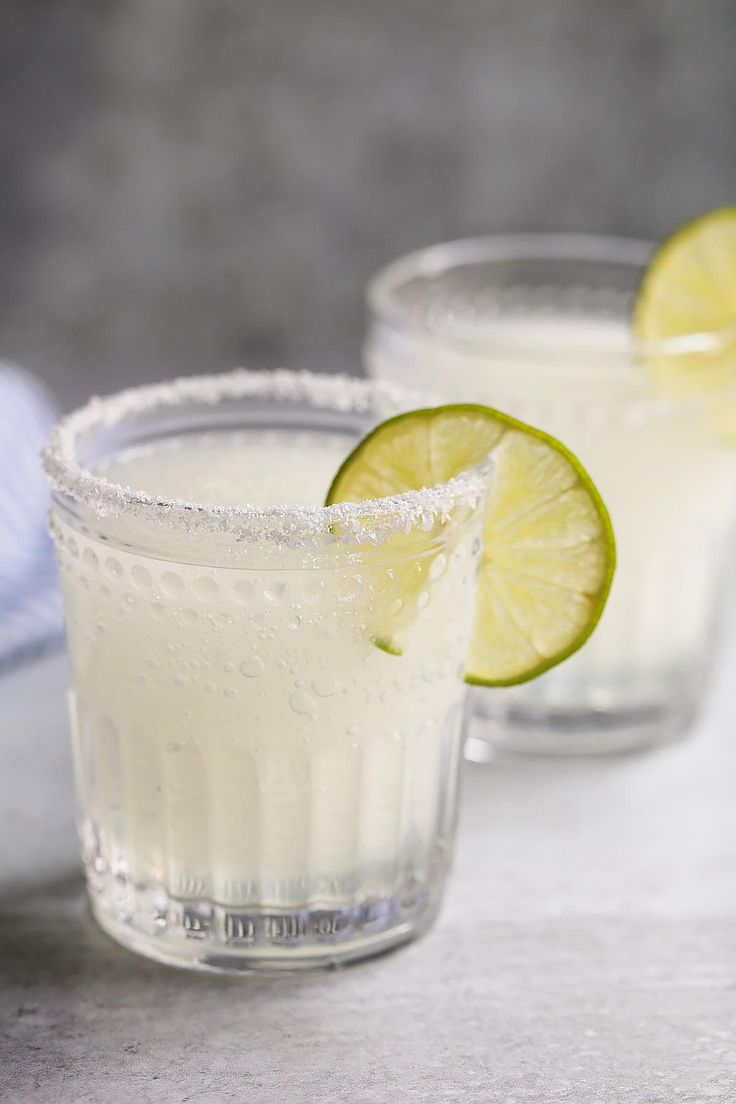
(538, 326)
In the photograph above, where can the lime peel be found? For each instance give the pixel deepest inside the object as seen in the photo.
(684, 313)
(542, 507)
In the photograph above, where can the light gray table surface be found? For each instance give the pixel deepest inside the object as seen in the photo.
(586, 951)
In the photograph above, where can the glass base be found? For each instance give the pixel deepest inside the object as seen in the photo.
(518, 729)
(202, 935)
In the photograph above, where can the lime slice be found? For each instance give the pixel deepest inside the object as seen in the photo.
(688, 292)
(549, 551)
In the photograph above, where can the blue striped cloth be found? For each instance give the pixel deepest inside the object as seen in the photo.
(30, 600)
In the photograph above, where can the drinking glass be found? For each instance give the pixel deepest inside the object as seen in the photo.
(260, 786)
(539, 327)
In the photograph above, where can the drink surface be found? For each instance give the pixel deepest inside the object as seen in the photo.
(542, 334)
(241, 743)
(255, 467)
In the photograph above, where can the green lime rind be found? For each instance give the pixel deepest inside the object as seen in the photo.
(660, 256)
(484, 432)
(686, 291)
(599, 596)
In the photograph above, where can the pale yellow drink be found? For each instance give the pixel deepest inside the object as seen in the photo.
(254, 773)
(539, 328)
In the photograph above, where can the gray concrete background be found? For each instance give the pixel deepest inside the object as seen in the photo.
(190, 184)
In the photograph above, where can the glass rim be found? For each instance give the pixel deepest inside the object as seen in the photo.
(382, 290)
(346, 523)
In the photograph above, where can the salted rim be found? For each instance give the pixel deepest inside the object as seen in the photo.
(345, 523)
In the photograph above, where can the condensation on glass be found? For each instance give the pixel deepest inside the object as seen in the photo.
(260, 785)
(539, 326)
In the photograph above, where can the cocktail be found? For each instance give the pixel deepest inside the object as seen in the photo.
(541, 326)
(267, 700)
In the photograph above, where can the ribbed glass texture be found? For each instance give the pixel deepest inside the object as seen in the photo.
(539, 326)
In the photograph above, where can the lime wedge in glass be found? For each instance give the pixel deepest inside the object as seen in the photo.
(549, 551)
(686, 304)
